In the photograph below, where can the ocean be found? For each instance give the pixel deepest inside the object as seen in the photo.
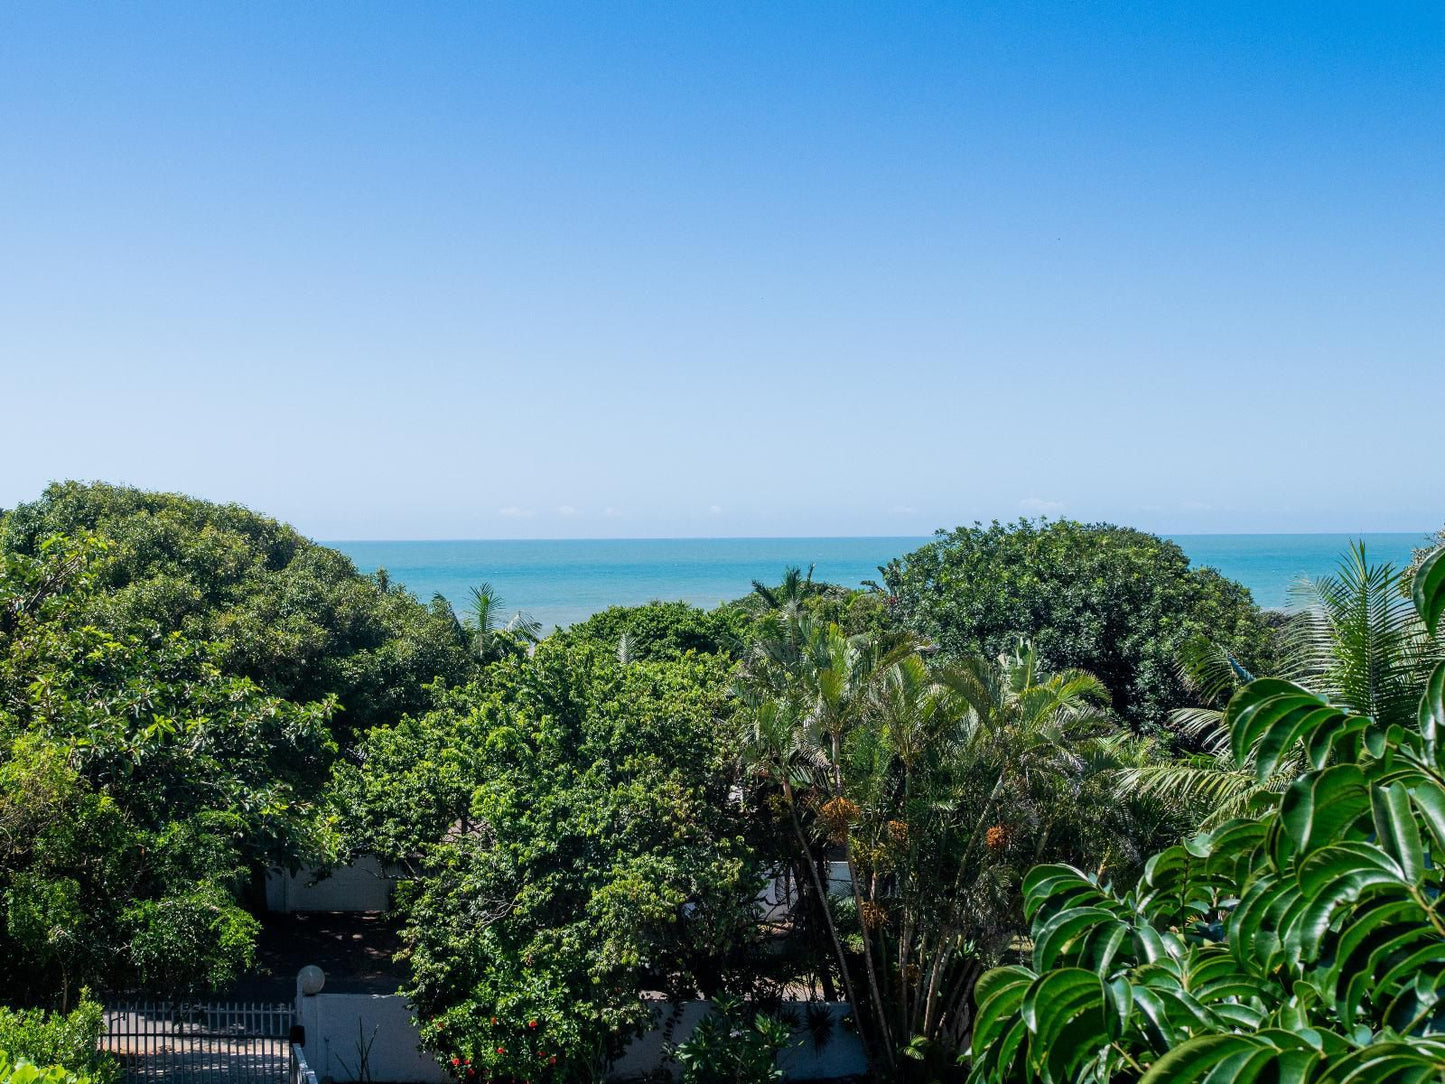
(562, 581)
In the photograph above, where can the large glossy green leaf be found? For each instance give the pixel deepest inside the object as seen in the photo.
(1235, 1059)
(1270, 716)
(1373, 938)
(1317, 806)
(1255, 937)
(1057, 888)
(1396, 829)
(1432, 713)
(1429, 589)
(1070, 1017)
(999, 1031)
(1387, 1063)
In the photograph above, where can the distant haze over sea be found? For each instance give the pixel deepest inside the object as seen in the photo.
(563, 581)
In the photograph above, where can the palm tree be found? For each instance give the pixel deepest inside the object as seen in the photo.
(480, 627)
(936, 785)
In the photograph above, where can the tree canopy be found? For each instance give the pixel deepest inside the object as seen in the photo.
(665, 630)
(140, 787)
(295, 617)
(576, 846)
(1117, 602)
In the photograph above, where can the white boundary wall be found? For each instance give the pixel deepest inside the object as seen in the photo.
(841, 1055)
(336, 1023)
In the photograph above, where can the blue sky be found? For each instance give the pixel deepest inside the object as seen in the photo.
(533, 270)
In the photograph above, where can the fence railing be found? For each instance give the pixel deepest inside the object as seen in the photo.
(300, 1071)
(175, 1042)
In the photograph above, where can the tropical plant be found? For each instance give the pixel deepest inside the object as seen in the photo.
(936, 786)
(1306, 943)
(731, 1046)
(1354, 638)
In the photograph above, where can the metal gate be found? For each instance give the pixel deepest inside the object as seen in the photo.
(197, 1042)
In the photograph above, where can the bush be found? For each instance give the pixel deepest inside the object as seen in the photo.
(55, 1039)
(26, 1072)
(728, 1047)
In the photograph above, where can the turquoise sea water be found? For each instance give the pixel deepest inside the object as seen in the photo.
(560, 582)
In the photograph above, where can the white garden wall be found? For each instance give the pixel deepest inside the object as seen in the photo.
(336, 1023)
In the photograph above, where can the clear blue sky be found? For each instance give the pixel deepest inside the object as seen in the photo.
(625, 269)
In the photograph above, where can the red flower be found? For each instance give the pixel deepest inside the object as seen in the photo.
(552, 1060)
(456, 1061)
(494, 1020)
(501, 1050)
(531, 1023)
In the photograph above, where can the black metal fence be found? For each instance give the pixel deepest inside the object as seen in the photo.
(163, 1042)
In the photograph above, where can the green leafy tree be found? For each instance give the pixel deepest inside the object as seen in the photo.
(140, 788)
(581, 849)
(1116, 602)
(295, 617)
(1305, 943)
(665, 630)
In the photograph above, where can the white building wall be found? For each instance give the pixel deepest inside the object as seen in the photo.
(362, 886)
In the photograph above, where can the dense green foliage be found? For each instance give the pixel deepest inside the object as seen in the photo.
(665, 630)
(24, 1071)
(58, 1039)
(293, 616)
(581, 850)
(140, 787)
(1304, 942)
(190, 693)
(1116, 602)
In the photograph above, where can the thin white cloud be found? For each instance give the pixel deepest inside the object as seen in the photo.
(513, 512)
(612, 513)
(903, 510)
(566, 510)
(714, 509)
(1039, 507)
